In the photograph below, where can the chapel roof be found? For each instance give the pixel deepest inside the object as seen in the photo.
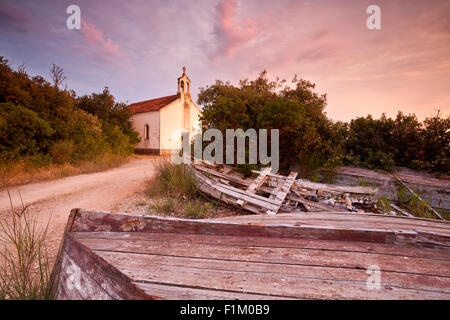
(153, 104)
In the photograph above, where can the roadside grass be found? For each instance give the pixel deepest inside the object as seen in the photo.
(173, 190)
(26, 171)
(25, 266)
(172, 179)
(164, 205)
(197, 209)
(414, 205)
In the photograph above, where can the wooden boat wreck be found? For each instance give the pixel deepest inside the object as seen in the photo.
(303, 255)
(273, 193)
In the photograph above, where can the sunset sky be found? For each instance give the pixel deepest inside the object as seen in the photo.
(137, 48)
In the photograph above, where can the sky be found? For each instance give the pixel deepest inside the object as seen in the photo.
(137, 48)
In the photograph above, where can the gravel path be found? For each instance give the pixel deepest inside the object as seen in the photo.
(103, 191)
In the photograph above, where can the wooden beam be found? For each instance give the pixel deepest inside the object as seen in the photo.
(283, 192)
(257, 183)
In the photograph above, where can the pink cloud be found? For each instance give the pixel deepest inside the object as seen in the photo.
(229, 34)
(105, 47)
(92, 34)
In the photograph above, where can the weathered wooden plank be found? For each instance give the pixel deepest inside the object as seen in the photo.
(340, 246)
(54, 277)
(245, 182)
(278, 255)
(171, 292)
(256, 184)
(274, 191)
(328, 187)
(239, 194)
(63, 294)
(100, 221)
(336, 223)
(80, 281)
(288, 286)
(114, 282)
(63, 288)
(407, 214)
(335, 188)
(207, 188)
(258, 181)
(283, 192)
(132, 261)
(271, 191)
(249, 197)
(286, 187)
(363, 218)
(431, 238)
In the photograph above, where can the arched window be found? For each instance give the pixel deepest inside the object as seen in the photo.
(188, 89)
(182, 86)
(146, 132)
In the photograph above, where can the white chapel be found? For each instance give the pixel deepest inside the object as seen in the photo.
(160, 121)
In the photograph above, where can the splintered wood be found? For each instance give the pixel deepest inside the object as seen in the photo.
(271, 193)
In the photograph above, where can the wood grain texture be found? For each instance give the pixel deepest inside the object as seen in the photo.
(79, 262)
(273, 283)
(297, 256)
(120, 256)
(100, 221)
(325, 245)
(137, 261)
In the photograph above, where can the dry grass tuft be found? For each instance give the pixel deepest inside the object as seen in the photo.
(24, 261)
(176, 180)
(174, 192)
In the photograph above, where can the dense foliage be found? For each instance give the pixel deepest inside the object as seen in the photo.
(307, 136)
(310, 139)
(403, 141)
(42, 122)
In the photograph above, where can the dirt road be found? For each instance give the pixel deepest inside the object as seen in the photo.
(96, 191)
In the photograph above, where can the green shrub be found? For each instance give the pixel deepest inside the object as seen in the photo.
(384, 205)
(172, 179)
(165, 205)
(62, 151)
(297, 111)
(413, 204)
(22, 132)
(37, 119)
(196, 209)
(246, 169)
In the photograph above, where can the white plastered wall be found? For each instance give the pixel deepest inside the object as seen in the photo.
(171, 117)
(152, 119)
(172, 120)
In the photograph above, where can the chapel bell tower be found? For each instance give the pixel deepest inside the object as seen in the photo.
(184, 84)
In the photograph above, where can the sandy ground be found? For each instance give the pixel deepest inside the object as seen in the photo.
(111, 190)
